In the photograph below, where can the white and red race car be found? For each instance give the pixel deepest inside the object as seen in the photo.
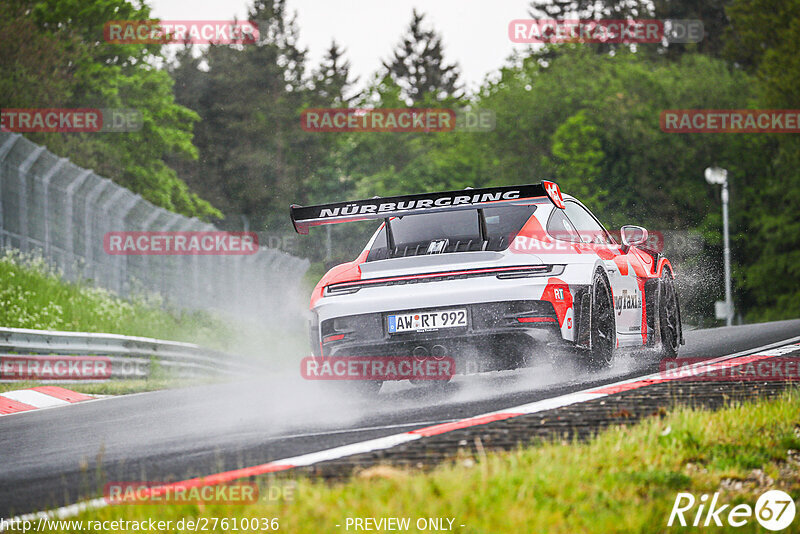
(490, 274)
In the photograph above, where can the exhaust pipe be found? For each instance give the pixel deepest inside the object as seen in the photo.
(438, 352)
(420, 353)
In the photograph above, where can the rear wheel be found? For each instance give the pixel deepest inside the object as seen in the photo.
(603, 333)
(668, 318)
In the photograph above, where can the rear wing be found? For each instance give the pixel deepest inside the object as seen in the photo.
(304, 217)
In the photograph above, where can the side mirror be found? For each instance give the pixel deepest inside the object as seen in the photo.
(633, 235)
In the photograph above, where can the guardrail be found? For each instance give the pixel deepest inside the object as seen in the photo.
(130, 357)
(52, 208)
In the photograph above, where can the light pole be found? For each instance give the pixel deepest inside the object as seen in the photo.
(718, 176)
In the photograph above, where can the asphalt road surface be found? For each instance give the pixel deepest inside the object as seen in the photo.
(53, 457)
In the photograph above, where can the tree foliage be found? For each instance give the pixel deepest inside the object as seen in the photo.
(762, 39)
(418, 67)
(52, 55)
(586, 116)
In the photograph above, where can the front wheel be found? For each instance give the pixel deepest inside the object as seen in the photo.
(603, 326)
(668, 318)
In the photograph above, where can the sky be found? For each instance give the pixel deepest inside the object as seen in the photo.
(474, 32)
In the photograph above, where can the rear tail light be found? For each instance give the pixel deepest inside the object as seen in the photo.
(334, 337)
(536, 319)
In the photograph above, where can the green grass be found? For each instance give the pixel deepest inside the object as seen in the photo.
(624, 480)
(33, 295)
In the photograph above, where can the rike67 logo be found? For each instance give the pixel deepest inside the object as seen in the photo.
(774, 510)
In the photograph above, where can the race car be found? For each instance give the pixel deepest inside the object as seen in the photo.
(491, 275)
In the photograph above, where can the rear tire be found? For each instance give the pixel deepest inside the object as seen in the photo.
(603, 325)
(668, 318)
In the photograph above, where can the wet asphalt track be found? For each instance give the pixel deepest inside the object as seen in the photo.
(50, 458)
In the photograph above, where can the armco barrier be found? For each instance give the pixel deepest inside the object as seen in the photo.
(61, 212)
(130, 357)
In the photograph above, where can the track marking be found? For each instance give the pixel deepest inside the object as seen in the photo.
(9, 406)
(359, 429)
(34, 398)
(387, 442)
(464, 423)
(768, 351)
(26, 400)
(63, 394)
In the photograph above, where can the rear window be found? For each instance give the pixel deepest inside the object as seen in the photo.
(414, 233)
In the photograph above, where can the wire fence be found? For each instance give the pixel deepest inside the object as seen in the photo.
(51, 207)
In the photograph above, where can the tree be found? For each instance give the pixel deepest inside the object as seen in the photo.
(331, 80)
(578, 156)
(762, 39)
(710, 12)
(418, 67)
(588, 9)
(254, 158)
(51, 57)
(591, 121)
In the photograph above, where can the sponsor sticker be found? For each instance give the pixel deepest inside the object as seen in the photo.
(627, 301)
(433, 201)
(554, 192)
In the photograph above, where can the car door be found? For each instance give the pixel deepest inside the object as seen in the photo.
(626, 288)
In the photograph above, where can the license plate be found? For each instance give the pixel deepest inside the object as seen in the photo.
(425, 321)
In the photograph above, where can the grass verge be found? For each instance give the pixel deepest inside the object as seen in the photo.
(33, 295)
(624, 480)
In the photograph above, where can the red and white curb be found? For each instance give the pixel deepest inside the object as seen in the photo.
(25, 400)
(387, 442)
